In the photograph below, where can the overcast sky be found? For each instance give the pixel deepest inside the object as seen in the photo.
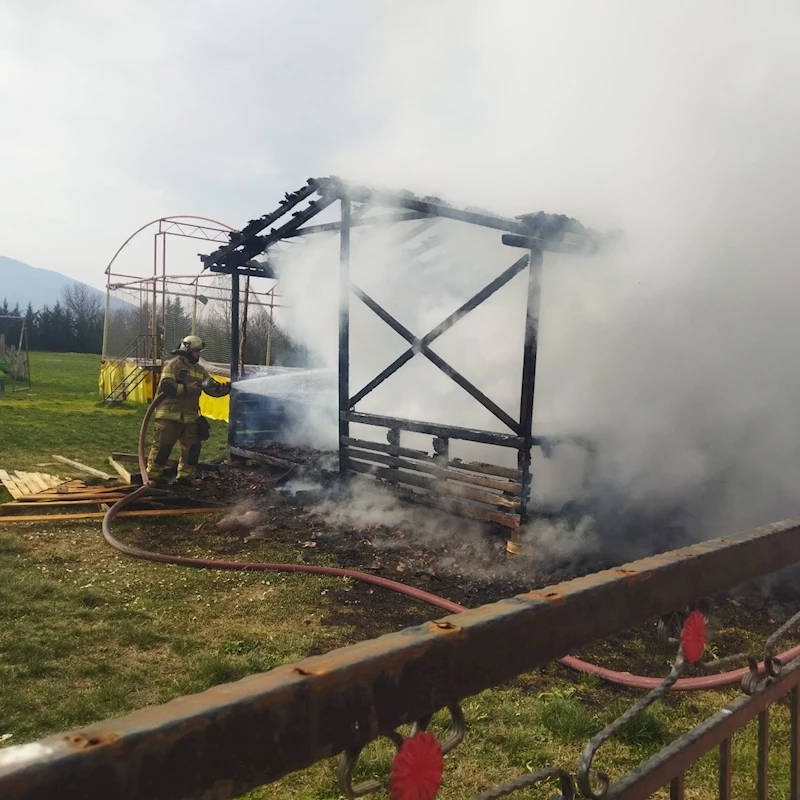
(114, 113)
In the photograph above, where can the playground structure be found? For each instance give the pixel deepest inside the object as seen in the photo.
(14, 354)
(148, 311)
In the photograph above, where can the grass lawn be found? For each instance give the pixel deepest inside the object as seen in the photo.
(87, 633)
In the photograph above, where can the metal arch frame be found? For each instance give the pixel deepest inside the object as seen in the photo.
(533, 233)
(188, 226)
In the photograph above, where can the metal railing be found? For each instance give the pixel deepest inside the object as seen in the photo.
(232, 738)
(140, 352)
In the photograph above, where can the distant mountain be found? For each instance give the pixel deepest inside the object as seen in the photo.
(21, 283)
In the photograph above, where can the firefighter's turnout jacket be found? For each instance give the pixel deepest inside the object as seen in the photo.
(181, 404)
(177, 416)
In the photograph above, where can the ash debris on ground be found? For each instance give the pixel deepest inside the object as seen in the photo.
(368, 529)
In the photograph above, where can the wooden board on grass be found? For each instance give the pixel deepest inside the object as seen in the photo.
(11, 484)
(121, 471)
(166, 512)
(84, 468)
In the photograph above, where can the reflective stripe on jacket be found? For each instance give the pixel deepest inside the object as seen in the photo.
(184, 403)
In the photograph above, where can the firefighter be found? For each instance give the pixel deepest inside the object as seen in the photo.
(178, 418)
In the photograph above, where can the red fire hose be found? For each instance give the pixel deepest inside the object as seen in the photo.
(708, 682)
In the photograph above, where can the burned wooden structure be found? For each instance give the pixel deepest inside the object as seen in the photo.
(484, 491)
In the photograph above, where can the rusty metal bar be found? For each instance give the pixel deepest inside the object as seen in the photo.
(681, 754)
(763, 755)
(677, 787)
(725, 759)
(434, 429)
(235, 737)
(794, 793)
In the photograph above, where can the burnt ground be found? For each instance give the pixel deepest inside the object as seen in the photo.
(470, 569)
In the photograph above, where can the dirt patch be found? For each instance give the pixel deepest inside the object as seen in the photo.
(468, 565)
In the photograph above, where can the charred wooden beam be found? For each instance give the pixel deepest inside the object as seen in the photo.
(434, 429)
(377, 219)
(435, 359)
(417, 345)
(486, 469)
(441, 473)
(255, 226)
(432, 485)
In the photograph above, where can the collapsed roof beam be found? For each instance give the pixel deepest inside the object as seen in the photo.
(378, 219)
(255, 226)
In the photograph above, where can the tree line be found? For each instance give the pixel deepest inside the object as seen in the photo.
(74, 324)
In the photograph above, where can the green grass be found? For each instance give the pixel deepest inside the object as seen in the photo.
(63, 415)
(87, 633)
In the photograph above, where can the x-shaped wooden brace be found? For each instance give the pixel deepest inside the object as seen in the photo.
(421, 345)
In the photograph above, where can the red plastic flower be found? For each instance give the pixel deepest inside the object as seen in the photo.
(693, 636)
(417, 768)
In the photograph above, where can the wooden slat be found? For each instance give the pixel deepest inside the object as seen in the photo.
(434, 486)
(393, 450)
(462, 509)
(90, 470)
(14, 507)
(24, 481)
(155, 512)
(433, 469)
(253, 455)
(70, 486)
(10, 484)
(121, 471)
(84, 494)
(37, 481)
(486, 469)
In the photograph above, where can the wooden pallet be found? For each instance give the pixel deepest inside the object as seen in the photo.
(26, 484)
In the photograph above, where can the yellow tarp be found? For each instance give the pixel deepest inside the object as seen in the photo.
(215, 407)
(112, 375)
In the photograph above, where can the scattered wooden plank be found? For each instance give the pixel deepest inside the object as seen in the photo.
(148, 512)
(131, 458)
(52, 480)
(90, 470)
(37, 481)
(8, 509)
(22, 478)
(121, 471)
(261, 457)
(10, 484)
(71, 497)
(103, 498)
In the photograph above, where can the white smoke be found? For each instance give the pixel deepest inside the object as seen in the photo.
(677, 351)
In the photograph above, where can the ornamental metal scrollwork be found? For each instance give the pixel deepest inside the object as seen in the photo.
(691, 649)
(526, 781)
(349, 759)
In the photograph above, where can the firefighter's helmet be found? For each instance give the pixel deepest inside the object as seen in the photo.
(189, 343)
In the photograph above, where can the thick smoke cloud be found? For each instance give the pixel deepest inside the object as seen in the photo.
(678, 350)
